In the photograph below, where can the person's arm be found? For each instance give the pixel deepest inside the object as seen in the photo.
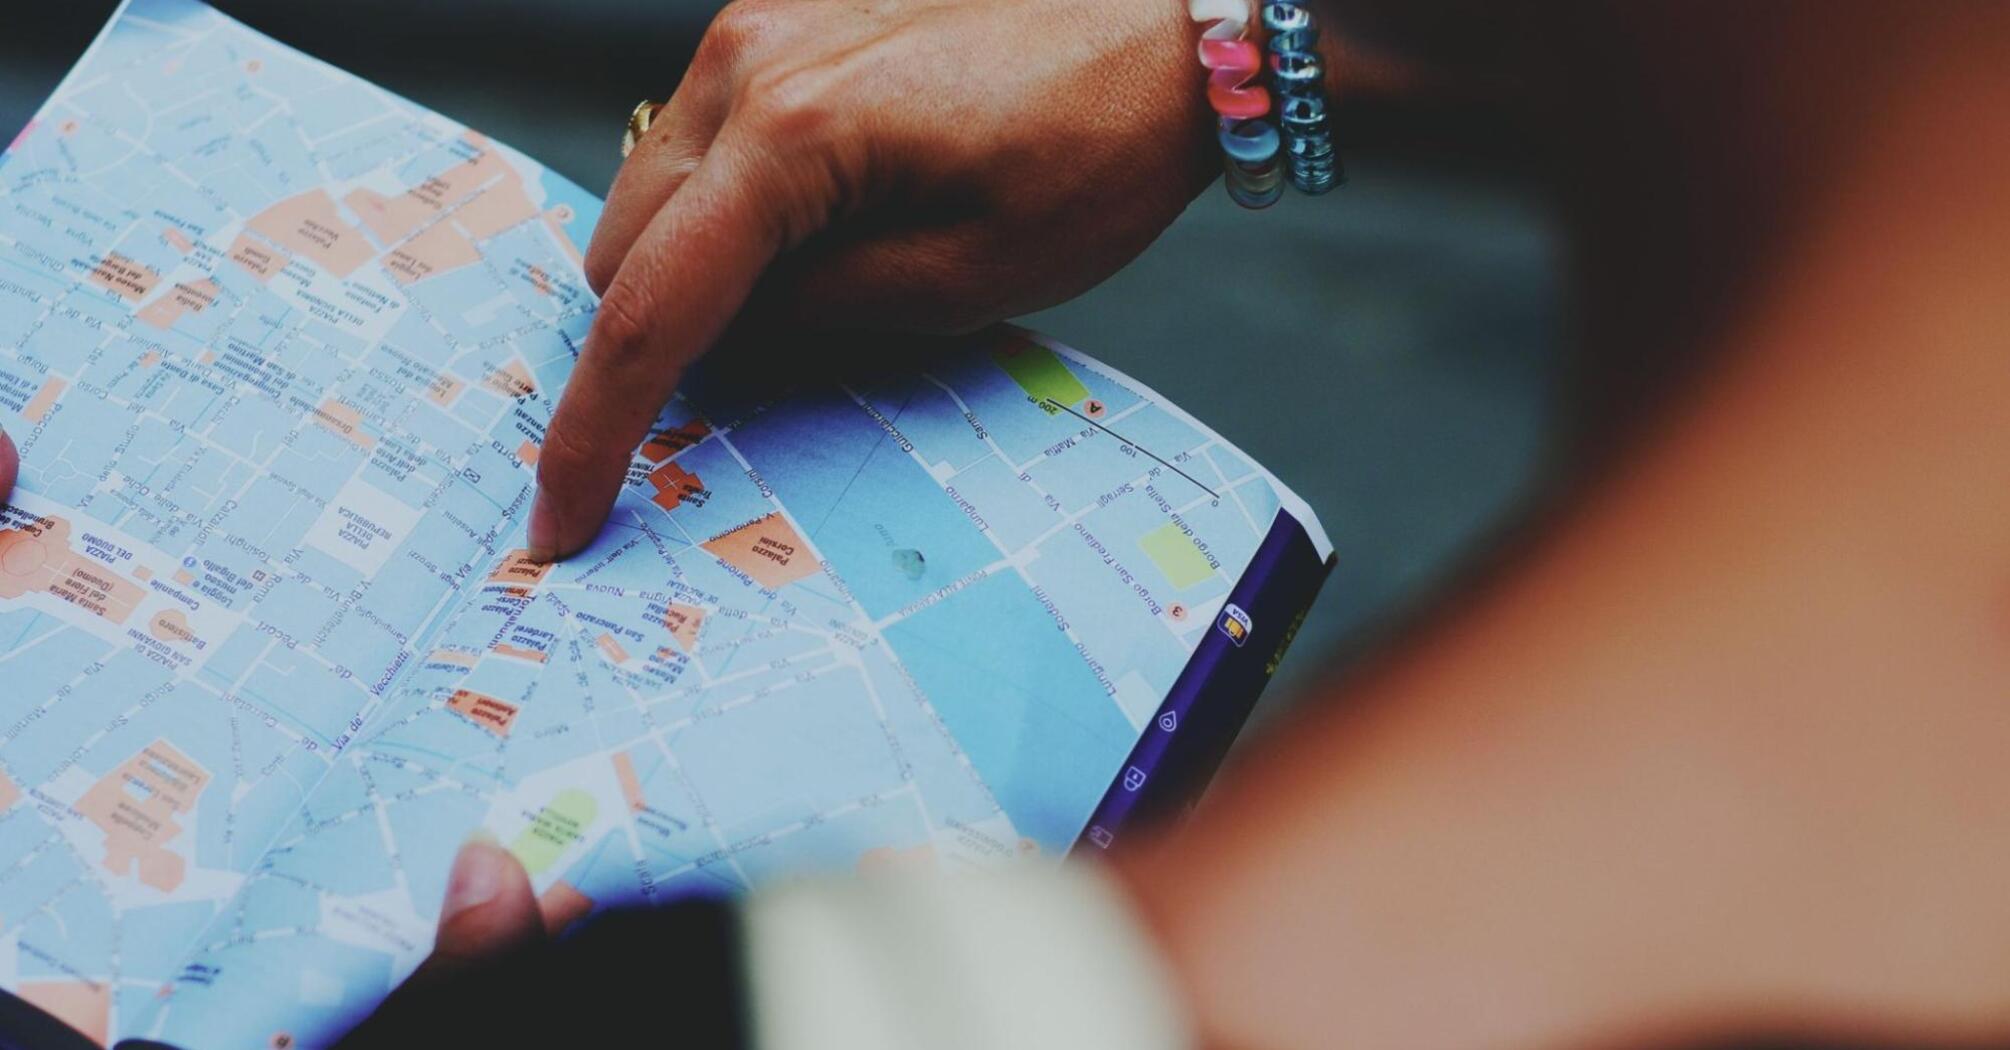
(1725, 752)
(931, 166)
(914, 165)
(908, 166)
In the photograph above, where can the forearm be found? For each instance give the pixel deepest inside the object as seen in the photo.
(1723, 757)
(1726, 750)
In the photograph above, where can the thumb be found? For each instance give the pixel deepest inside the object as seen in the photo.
(10, 463)
(488, 916)
(489, 907)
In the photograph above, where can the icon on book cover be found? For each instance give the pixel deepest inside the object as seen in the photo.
(1236, 624)
(1169, 721)
(1100, 836)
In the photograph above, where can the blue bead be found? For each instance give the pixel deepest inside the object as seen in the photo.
(1311, 147)
(1250, 141)
(1297, 72)
(1299, 40)
(1301, 114)
(1254, 185)
(1281, 17)
(1299, 79)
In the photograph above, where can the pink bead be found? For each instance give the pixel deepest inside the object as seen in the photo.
(1232, 87)
(1241, 55)
(1232, 96)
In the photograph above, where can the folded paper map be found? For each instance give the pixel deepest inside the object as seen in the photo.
(279, 348)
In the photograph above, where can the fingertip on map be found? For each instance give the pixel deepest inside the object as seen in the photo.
(543, 540)
(474, 881)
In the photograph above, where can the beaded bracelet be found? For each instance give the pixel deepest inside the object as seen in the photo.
(1250, 143)
(1302, 111)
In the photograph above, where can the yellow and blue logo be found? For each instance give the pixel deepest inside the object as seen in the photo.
(1235, 623)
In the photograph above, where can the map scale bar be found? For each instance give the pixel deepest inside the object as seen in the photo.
(1134, 445)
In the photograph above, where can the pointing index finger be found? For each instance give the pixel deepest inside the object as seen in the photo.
(680, 285)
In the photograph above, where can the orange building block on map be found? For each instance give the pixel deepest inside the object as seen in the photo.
(171, 625)
(684, 621)
(631, 785)
(136, 805)
(453, 658)
(44, 400)
(536, 656)
(766, 549)
(192, 297)
(123, 277)
(438, 250)
(444, 390)
(521, 573)
(502, 206)
(259, 260)
(394, 218)
(38, 558)
(310, 226)
(511, 380)
(612, 648)
(345, 422)
(483, 710)
(562, 905)
(82, 1005)
(666, 443)
(674, 485)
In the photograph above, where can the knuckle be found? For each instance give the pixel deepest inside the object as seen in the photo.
(601, 265)
(564, 459)
(612, 242)
(621, 325)
(793, 105)
(737, 30)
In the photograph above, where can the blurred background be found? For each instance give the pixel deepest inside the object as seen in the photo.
(1392, 352)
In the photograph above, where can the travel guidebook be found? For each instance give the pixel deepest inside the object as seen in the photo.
(279, 348)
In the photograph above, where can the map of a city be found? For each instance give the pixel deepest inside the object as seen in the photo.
(279, 348)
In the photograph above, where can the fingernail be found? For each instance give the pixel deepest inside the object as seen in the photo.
(543, 531)
(477, 875)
